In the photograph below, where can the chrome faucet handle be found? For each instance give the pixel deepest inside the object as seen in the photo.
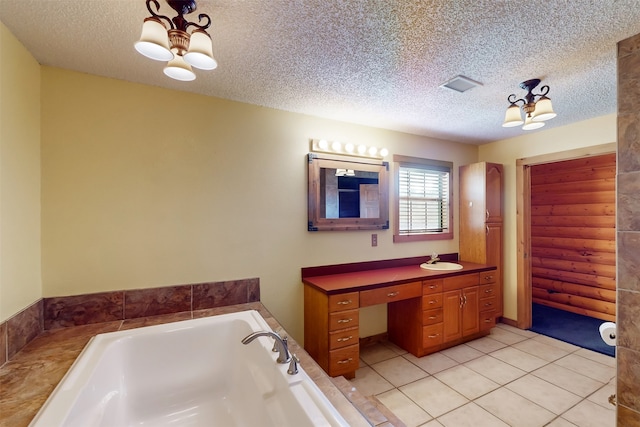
(293, 365)
(280, 344)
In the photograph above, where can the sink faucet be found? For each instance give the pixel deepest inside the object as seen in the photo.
(434, 258)
(280, 344)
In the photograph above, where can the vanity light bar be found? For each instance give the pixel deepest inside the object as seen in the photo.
(338, 147)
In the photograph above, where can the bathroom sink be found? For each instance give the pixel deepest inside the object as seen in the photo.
(441, 266)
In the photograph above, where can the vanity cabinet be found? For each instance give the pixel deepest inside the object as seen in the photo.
(481, 217)
(426, 311)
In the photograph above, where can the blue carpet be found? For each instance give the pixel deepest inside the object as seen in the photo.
(570, 327)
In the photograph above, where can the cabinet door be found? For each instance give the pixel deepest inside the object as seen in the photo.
(493, 192)
(470, 312)
(451, 321)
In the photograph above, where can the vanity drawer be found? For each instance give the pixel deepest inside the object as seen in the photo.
(343, 301)
(459, 282)
(343, 319)
(487, 319)
(487, 303)
(488, 290)
(344, 360)
(390, 294)
(431, 317)
(432, 286)
(431, 301)
(343, 338)
(431, 335)
(488, 277)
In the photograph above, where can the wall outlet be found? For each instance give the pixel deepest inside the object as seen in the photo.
(374, 240)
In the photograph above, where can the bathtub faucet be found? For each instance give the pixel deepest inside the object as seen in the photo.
(280, 344)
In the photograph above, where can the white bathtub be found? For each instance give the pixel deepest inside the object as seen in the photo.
(190, 373)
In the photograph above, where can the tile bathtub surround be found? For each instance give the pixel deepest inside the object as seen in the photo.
(129, 304)
(77, 310)
(28, 379)
(510, 378)
(628, 232)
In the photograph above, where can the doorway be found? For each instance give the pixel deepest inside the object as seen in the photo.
(559, 270)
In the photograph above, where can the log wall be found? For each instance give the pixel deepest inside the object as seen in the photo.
(573, 225)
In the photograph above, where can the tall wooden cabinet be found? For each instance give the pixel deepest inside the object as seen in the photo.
(481, 211)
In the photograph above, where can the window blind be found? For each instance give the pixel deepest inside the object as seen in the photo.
(423, 199)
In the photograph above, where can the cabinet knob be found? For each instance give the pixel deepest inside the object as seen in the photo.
(345, 302)
(345, 320)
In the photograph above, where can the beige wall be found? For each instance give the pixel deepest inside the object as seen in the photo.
(145, 187)
(20, 272)
(601, 130)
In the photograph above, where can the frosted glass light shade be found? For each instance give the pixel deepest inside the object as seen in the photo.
(200, 54)
(154, 41)
(178, 69)
(544, 110)
(529, 124)
(512, 117)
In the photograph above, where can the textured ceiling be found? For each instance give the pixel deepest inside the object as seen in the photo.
(376, 62)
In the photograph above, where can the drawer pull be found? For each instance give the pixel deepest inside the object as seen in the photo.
(345, 339)
(346, 302)
(487, 320)
(488, 277)
(488, 304)
(393, 294)
(488, 291)
(432, 317)
(345, 320)
(433, 286)
(432, 301)
(342, 362)
(433, 336)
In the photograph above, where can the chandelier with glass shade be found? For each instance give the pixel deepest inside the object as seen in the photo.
(173, 43)
(536, 107)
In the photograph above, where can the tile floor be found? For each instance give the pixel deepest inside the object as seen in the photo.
(512, 378)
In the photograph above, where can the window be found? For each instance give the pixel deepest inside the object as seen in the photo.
(423, 199)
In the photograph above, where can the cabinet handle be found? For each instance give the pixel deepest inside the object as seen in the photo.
(432, 317)
(487, 228)
(433, 336)
(393, 294)
(433, 286)
(488, 291)
(487, 320)
(461, 302)
(432, 301)
(488, 304)
(488, 277)
(342, 362)
(465, 298)
(487, 213)
(345, 302)
(345, 339)
(345, 320)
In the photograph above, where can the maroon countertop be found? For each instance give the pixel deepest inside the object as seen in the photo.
(371, 279)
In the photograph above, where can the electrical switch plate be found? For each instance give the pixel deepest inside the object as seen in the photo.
(374, 240)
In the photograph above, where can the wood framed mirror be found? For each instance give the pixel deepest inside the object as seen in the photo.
(347, 193)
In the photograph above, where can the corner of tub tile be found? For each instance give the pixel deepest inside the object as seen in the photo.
(220, 294)
(253, 289)
(3, 343)
(77, 310)
(24, 327)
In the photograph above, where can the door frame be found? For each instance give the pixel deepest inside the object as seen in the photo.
(523, 219)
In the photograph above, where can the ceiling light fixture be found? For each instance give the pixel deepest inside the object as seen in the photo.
(181, 49)
(536, 112)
